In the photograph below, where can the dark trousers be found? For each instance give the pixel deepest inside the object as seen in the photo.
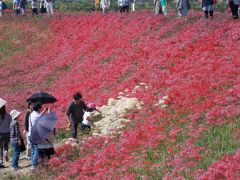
(234, 9)
(34, 11)
(210, 13)
(74, 127)
(4, 141)
(124, 9)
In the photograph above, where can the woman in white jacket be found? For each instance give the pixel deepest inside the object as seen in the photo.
(49, 7)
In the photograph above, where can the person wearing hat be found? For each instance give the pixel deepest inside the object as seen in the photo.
(75, 113)
(88, 117)
(15, 138)
(5, 120)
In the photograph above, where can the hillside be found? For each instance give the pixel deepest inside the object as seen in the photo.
(193, 63)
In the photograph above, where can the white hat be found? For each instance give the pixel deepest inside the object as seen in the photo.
(14, 113)
(2, 102)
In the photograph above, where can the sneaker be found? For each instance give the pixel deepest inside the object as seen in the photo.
(6, 156)
(33, 167)
(13, 169)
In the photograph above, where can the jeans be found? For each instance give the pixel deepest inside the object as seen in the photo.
(16, 154)
(34, 154)
(4, 141)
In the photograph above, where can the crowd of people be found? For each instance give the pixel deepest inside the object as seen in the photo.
(78, 113)
(183, 6)
(19, 7)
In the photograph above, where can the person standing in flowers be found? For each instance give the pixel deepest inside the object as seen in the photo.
(35, 114)
(26, 126)
(15, 138)
(234, 5)
(207, 7)
(88, 117)
(75, 112)
(5, 120)
(49, 7)
(183, 6)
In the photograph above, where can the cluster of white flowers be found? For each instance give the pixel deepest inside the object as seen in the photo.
(113, 113)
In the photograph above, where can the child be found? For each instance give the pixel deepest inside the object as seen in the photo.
(87, 117)
(15, 138)
(34, 5)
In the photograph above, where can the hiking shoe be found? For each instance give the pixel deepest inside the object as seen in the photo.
(6, 156)
(14, 169)
(33, 168)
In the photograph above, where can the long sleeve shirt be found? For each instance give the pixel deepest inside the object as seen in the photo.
(14, 131)
(5, 123)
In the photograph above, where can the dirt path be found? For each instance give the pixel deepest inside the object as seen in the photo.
(24, 164)
(110, 118)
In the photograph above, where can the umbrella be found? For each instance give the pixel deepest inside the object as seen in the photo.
(42, 97)
(42, 127)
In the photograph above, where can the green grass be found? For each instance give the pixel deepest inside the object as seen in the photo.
(218, 141)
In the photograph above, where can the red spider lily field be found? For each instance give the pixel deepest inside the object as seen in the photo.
(194, 63)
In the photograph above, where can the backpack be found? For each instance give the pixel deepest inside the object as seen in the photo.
(4, 6)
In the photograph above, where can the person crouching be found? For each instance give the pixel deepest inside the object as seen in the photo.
(88, 118)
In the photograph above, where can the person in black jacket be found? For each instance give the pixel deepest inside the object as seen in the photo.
(26, 126)
(75, 113)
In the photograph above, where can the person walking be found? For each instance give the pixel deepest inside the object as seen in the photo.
(26, 126)
(15, 138)
(234, 5)
(35, 114)
(5, 120)
(49, 7)
(23, 4)
(207, 7)
(75, 112)
(183, 6)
